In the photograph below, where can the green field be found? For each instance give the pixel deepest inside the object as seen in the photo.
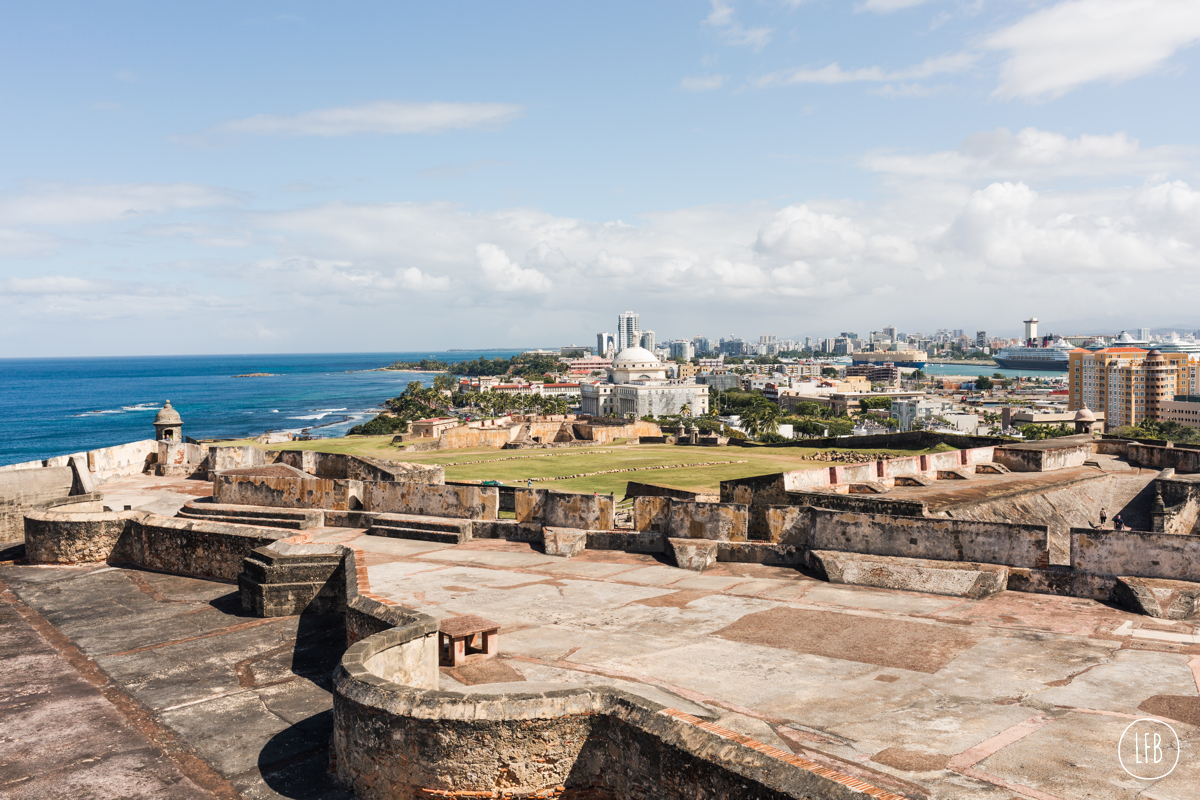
(571, 461)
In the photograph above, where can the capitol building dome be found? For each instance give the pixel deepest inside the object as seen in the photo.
(636, 364)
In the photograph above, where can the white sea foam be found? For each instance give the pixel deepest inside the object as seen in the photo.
(314, 416)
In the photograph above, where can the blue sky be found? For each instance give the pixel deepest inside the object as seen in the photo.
(250, 177)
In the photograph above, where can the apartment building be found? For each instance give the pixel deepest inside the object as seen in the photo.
(1129, 384)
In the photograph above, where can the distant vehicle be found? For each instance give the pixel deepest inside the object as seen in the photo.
(492, 483)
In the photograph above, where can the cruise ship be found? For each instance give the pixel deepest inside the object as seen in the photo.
(1049, 356)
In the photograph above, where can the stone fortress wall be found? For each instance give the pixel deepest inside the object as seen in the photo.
(398, 735)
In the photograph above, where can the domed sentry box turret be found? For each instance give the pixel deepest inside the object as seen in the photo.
(168, 425)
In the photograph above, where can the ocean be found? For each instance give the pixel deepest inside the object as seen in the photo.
(55, 406)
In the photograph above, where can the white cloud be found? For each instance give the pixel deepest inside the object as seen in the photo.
(703, 83)
(63, 204)
(380, 117)
(887, 6)
(723, 19)
(833, 73)
(504, 276)
(1032, 152)
(1057, 49)
(50, 284)
(984, 227)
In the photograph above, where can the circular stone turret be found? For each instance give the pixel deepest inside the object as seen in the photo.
(168, 424)
(1085, 420)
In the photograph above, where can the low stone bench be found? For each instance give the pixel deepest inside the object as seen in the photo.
(953, 578)
(469, 638)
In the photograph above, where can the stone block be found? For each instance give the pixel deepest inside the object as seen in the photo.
(1158, 597)
(953, 578)
(627, 541)
(565, 542)
(693, 554)
(285, 579)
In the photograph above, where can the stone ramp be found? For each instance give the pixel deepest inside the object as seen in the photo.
(297, 519)
(446, 530)
(1158, 597)
(953, 578)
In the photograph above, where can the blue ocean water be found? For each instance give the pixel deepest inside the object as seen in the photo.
(53, 406)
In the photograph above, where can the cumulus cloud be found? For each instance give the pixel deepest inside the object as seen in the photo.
(723, 19)
(703, 83)
(383, 117)
(502, 275)
(833, 73)
(1057, 49)
(993, 225)
(1032, 152)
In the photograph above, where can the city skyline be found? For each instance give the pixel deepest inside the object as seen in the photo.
(795, 166)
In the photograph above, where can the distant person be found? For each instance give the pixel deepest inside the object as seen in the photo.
(1103, 517)
(1118, 523)
(529, 484)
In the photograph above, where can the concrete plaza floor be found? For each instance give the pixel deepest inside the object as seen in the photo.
(1016, 695)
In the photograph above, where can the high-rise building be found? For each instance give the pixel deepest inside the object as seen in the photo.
(1143, 334)
(628, 331)
(981, 339)
(1129, 384)
(682, 349)
(647, 340)
(604, 344)
(1031, 329)
(702, 344)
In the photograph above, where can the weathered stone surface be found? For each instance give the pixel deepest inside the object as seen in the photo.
(1045, 456)
(281, 486)
(956, 579)
(693, 554)
(565, 542)
(292, 519)
(431, 500)
(651, 513)
(1156, 597)
(1137, 553)
(53, 537)
(422, 528)
(726, 522)
(285, 579)
(629, 542)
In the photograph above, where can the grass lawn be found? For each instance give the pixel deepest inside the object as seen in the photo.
(570, 461)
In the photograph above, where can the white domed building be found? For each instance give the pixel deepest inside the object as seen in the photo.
(638, 385)
(636, 364)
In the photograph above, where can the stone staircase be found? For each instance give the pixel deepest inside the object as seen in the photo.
(297, 519)
(445, 530)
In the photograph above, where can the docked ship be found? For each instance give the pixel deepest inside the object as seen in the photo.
(893, 355)
(1048, 356)
(1044, 355)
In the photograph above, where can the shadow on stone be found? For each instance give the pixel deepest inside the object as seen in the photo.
(295, 762)
(230, 604)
